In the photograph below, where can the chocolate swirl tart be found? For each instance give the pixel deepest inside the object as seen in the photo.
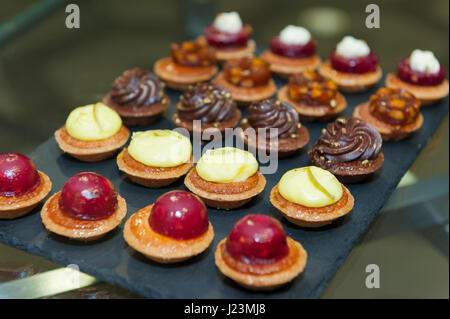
(313, 96)
(350, 149)
(211, 106)
(395, 113)
(272, 125)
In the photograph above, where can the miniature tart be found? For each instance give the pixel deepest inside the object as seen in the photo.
(229, 36)
(313, 96)
(92, 133)
(352, 66)
(173, 229)
(273, 126)
(258, 255)
(138, 96)
(395, 113)
(22, 186)
(248, 79)
(350, 149)
(320, 200)
(190, 62)
(292, 51)
(422, 75)
(85, 209)
(226, 178)
(156, 158)
(206, 108)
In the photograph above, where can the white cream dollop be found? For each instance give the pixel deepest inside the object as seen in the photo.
(295, 35)
(350, 47)
(228, 22)
(424, 61)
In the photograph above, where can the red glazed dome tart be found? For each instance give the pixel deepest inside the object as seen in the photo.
(350, 149)
(173, 229)
(292, 51)
(422, 75)
(395, 113)
(352, 66)
(22, 186)
(248, 79)
(258, 255)
(138, 96)
(85, 209)
(313, 96)
(272, 125)
(190, 62)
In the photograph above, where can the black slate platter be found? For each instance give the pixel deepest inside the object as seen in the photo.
(110, 259)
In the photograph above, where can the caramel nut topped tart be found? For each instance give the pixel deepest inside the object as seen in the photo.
(352, 66)
(92, 133)
(258, 255)
(422, 75)
(320, 200)
(173, 229)
(190, 62)
(156, 158)
(22, 186)
(278, 121)
(138, 96)
(292, 51)
(85, 209)
(395, 113)
(226, 178)
(313, 96)
(349, 148)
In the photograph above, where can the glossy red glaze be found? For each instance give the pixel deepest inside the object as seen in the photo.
(405, 73)
(292, 50)
(179, 215)
(88, 196)
(221, 39)
(359, 65)
(257, 239)
(18, 175)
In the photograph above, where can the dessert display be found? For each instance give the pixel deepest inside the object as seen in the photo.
(395, 113)
(248, 79)
(209, 104)
(349, 148)
(173, 229)
(320, 200)
(156, 158)
(422, 75)
(292, 51)
(313, 96)
(138, 96)
(226, 178)
(258, 255)
(352, 66)
(92, 133)
(190, 62)
(85, 209)
(274, 127)
(229, 36)
(22, 186)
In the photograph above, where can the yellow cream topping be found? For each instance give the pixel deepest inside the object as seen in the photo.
(310, 186)
(93, 122)
(160, 148)
(226, 165)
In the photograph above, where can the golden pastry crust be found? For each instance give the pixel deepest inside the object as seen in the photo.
(235, 53)
(426, 94)
(84, 230)
(312, 216)
(388, 132)
(16, 206)
(267, 281)
(91, 151)
(140, 236)
(284, 66)
(223, 199)
(350, 82)
(149, 176)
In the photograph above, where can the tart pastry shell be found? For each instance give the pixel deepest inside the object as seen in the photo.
(285, 66)
(232, 53)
